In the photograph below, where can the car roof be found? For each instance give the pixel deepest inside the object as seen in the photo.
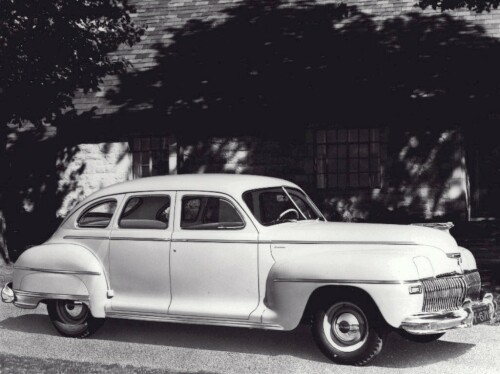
(230, 184)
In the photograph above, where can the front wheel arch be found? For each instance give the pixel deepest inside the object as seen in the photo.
(325, 295)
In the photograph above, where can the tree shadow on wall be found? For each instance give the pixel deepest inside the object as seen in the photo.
(268, 66)
(45, 180)
(267, 69)
(424, 180)
(36, 187)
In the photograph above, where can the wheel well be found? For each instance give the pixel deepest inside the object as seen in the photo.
(326, 295)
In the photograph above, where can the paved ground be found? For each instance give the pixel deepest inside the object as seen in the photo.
(29, 343)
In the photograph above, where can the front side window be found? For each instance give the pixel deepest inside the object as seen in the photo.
(276, 205)
(209, 213)
(146, 212)
(99, 215)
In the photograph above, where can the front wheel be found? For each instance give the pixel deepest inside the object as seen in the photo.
(73, 319)
(347, 333)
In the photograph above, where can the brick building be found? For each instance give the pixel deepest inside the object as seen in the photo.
(381, 111)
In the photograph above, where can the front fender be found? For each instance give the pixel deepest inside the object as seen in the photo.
(60, 270)
(383, 273)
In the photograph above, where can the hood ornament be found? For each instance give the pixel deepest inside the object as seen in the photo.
(443, 226)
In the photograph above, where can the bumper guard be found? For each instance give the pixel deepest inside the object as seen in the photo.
(434, 323)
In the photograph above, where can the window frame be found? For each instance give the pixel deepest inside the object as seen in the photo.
(92, 206)
(203, 212)
(293, 189)
(124, 205)
(138, 149)
(324, 172)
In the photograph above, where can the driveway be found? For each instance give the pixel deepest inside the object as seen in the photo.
(29, 343)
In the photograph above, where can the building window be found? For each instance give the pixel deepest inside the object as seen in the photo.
(349, 158)
(150, 156)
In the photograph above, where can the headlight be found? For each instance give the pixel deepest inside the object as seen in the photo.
(424, 267)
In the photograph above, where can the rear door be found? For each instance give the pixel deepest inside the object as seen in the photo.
(139, 253)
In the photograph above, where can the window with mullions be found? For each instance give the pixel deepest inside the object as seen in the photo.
(349, 157)
(150, 156)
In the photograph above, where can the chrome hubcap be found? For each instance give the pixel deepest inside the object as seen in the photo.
(72, 312)
(345, 326)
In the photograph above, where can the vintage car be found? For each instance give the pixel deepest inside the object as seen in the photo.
(248, 251)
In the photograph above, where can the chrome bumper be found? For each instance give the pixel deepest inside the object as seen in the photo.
(19, 299)
(433, 323)
(8, 294)
(30, 300)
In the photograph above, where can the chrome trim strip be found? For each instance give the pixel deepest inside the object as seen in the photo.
(140, 239)
(44, 295)
(344, 281)
(192, 320)
(86, 237)
(339, 242)
(245, 241)
(291, 242)
(54, 271)
(216, 241)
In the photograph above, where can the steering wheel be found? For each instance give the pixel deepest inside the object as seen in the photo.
(291, 210)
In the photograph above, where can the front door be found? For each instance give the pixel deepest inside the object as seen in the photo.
(139, 252)
(214, 269)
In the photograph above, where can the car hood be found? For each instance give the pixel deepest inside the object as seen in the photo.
(360, 233)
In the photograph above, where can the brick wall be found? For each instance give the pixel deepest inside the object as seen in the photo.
(423, 178)
(92, 167)
(247, 155)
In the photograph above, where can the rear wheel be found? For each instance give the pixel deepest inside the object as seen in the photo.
(73, 319)
(420, 338)
(348, 333)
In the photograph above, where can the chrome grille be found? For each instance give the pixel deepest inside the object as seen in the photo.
(444, 293)
(449, 292)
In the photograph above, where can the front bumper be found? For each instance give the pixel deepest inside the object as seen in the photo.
(434, 323)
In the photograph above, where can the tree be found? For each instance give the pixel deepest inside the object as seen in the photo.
(48, 50)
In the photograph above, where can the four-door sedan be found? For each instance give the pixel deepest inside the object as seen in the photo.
(247, 251)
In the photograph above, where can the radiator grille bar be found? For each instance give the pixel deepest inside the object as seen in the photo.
(449, 293)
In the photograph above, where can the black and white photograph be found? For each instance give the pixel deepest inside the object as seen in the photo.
(250, 186)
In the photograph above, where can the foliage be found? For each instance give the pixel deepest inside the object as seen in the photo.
(50, 48)
(474, 5)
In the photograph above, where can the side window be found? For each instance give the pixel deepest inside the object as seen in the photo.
(146, 212)
(209, 213)
(304, 208)
(99, 215)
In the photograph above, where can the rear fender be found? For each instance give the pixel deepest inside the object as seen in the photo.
(61, 271)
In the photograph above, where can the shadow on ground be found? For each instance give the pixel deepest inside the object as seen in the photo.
(397, 353)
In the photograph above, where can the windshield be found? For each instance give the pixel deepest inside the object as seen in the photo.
(275, 205)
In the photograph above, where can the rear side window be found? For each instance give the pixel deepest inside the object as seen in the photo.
(99, 215)
(146, 212)
(209, 213)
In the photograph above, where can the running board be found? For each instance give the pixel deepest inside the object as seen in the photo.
(193, 320)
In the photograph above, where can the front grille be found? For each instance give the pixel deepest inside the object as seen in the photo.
(449, 292)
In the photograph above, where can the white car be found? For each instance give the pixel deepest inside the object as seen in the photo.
(247, 251)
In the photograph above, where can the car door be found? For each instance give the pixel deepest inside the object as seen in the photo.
(139, 253)
(214, 264)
